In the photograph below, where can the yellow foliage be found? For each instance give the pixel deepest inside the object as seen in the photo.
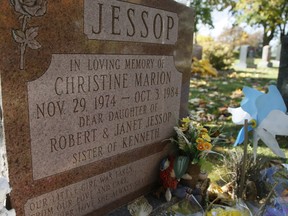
(223, 212)
(203, 67)
(202, 39)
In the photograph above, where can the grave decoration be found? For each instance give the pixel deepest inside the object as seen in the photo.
(267, 117)
(239, 210)
(172, 170)
(185, 175)
(264, 188)
(194, 140)
(275, 180)
(140, 207)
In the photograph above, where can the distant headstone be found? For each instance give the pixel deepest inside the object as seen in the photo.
(243, 57)
(246, 58)
(282, 82)
(251, 57)
(197, 51)
(90, 89)
(266, 55)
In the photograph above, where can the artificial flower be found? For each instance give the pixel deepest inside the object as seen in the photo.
(206, 137)
(185, 123)
(200, 146)
(193, 139)
(200, 140)
(207, 146)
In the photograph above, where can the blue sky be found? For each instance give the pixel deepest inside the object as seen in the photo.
(220, 21)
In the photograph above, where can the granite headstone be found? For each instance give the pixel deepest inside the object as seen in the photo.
(251, 57)
(90, 89)
(266, 56)
(246, 57)
(197, 51)
(243, 57)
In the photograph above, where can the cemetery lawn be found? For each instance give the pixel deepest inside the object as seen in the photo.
(211, 96)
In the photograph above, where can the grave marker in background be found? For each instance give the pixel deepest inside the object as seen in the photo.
(243, 57)
(90, 89)
(246, 57)
(251, 57)
(197, 51)
(266, 56)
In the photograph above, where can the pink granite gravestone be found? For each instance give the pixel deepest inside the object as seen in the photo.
(90, 89)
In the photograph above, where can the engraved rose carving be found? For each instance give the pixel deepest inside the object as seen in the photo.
(27, 36)
(30, 7)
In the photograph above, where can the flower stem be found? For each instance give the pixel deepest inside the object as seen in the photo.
(24, 23)
(23, 45)
(22, 52)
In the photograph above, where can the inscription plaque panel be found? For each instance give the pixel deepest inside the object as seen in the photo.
(82, 197)
(90, 107)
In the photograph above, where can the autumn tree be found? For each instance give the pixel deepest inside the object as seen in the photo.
(272, 15)
(237, 36)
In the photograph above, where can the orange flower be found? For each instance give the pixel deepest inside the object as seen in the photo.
(201, 147)
(207, 146)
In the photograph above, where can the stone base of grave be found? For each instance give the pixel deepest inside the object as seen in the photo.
(265, 64)
(250, 63)
(241, 65)
(245, 65)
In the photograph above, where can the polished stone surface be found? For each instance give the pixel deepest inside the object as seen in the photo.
(60, 79)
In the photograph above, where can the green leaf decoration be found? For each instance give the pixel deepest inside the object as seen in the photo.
(180, 166)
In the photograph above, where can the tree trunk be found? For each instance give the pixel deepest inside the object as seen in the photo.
(267, 37)
(282, 82)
